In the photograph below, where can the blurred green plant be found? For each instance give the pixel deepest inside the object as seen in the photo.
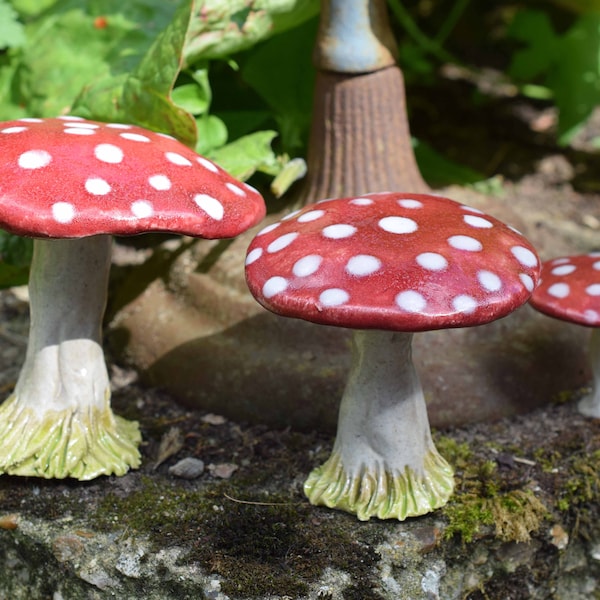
(567, 62)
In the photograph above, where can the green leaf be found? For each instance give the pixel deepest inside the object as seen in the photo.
(576, 77)
(68, 48)
(533, 27)
(221, 28)
(281, 72)
(143, 96)
(212, 133)
(439, 170)
(12, 33)
(248, 154)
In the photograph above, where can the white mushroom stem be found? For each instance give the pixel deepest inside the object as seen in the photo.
(58, 421)
(590, 405)
(384, 462)
(65, 364)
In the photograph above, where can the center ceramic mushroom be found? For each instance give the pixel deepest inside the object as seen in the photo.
(388, 265)
(71, 184)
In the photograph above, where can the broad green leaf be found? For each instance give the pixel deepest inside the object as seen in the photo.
(221, 28)
(12, 33)
(212, 133)
(281, 72)
(68, 48)
(532, 27)
(15, 257)
(576, 78)
(248, 154)
(143, 96)
(439, 170)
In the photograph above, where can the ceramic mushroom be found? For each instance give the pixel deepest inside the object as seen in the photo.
(71, 184)
(570, 290)
(388, 265)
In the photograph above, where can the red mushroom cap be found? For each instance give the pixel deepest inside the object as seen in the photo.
(391, 261)
(569, 289)
(70, 177)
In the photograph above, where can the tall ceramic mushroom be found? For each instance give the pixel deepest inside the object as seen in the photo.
(570, 290)
(388, 265)
(72, 183)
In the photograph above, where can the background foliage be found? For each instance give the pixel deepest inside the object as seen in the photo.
(234, 79)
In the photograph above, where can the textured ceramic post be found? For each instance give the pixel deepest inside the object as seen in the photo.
(360, 139)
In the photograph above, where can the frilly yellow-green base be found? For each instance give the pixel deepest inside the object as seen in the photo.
(377, 492)
(79, 444)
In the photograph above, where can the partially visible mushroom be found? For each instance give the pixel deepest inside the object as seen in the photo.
(388, 265)
(74, 178)
(570, 290)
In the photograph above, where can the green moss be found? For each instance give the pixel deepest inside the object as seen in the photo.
(259, 548)
(484, 499)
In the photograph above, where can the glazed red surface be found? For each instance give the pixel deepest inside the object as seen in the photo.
(391, 261)
(569, 289)
(69, 177)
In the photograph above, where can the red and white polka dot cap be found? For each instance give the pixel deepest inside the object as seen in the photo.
(70, 177)
(405, 262)
(570, 289)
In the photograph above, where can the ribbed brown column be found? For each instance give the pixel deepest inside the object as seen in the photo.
(360, 138)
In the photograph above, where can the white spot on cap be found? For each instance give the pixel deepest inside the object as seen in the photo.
(211, 206)
(160, 183)
(307, 266)
(527, 281)
(559, 261)
(525, 256)
(142, 209)
(465, 242)
(238, 191)
(82, 125)
(268, 228)
(69, 118)
(334, 297)
(273, 286)
(118, 126)
(34, 159)
(13, 130)
(108, 153)
(432, 261)
(475, 221)
(563, 270)
(31, 120)
(464, 304)
(591, 316)
(593, 290)
(411, 301)
(410, 203)
(559, 290)
(134, 137)
(311, 215)
(79, 131)
(97, 186)
(291, 215)
(63, 212)
(398, 225)
(177, 159)
(338, 231)
(362, 265)
(253, 255)
(282, 242)
(207, 164)
(471, 209)
(596, 265)
(361, 201)
(489, 281)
